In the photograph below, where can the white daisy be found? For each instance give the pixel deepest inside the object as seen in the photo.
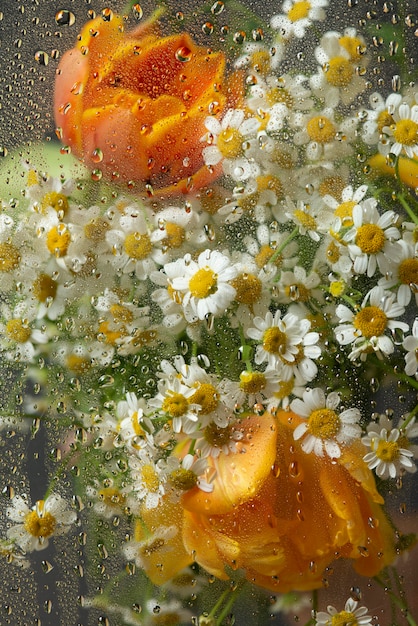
(402, 273)
(297, 16)
(35, 526)
(350, 615)
(410, 344)
(389, 453)
(325, 430)
(403, 132)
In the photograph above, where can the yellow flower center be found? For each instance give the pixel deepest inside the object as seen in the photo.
(32, 178)
(339, 72)
(77, 363)
(136, 422)
(9, 257)
(274, 340)
(332, 186)
(345, 212)
(58, 239)
(270, 182)
(96, 229)
(18, 330)
(321, 129)
(333, 252)
(111, 496)
(324, 423)
(137, 246)
(370, 238)
(387, 451)
(230, 143)
(107, 334)
(370, 321)
(260, 61)
(306, 220)
(248, 289)
(337, 288)
(353, 45)
(408, 272)
(206, 396)
(175, 235)
(279, 95)
(183, 479)
(283, 159)
(384, 119)
(252, 382)
(343, 618)
(203, 283)
(150, 478)
(40, 526)
(175, 404)
(121, 314)
(154, 545)
(44, 288)
(406, 132)
(297, 292)
(217, 436)
(285, 389)
(264, 255)
(57, 201)
(299, 10)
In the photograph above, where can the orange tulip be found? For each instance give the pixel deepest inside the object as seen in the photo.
(134, 104)
(407, 169)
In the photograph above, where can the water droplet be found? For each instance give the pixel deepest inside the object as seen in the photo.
(3, 151)
(107, 14)
(137, 11)
(42, 57)
(96, 175)
(207, 28)
(396, 82)
(240, 36)
(218, 7)
(97, 155)
(47, 567)
(64, 18)
(183, 54)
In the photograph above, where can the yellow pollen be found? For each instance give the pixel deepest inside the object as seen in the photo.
(18, 330)
(333, 252)
(264, 255)
(183, 479)
(370, 321)
(57, 201)
(332, 186)
(150, 478)
(9, 257)
(353, 45)
(230, 143)
(121, 314)
(260, 61)
(175, 404)
(337, 288)
(32, 178)
(247, 203)
(270, 182)
(285, 389)
(324, 423)
(299, 10)
(283, 159)
(387, 451)
(274, 340)
(343, 618)
(321, 129)
(58, 239)
(203, 283)
(408, 272)
(155, 545)
(279, 95)
(211, 200)
(138, 246)
(96, 229)
(252, 382)
(217, 436)
(108, 335)
(175, 235)
(40, 526)
(306, 220)
(406, 132)
(297, 292)
(206, 396)
(248, 289)
(384, 119)
(339, 72)
(370, 238)
(345, 212)
(44, 288)
(78, 364)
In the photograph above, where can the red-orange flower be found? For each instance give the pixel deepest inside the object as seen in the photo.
(133, 104)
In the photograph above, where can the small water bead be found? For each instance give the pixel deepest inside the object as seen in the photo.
(107, 14)
(137, 11)
(218, 7)
(64, 18)
(42, 57)
(183, 54)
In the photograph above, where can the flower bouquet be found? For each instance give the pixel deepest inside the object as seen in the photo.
(208, 314)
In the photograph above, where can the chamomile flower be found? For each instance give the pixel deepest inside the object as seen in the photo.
(148, 481)
(297, 16)
(186, 473)
(366, 329)
(379, 116)
(344, 205)
(410, 344)
(401, 273)
(350, 615)
(135, 428)
(37, 525)
(373, 238)
(203, 285)
(325, 430)
(214, 440)
(19, 335)
(389, 453)
(403, 132)
(159, 542)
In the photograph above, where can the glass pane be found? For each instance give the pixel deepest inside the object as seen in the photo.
(208, 312)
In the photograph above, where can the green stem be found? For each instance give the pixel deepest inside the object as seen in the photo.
(403, 202)
(399, 602)
(234, 594)
(283, 245)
